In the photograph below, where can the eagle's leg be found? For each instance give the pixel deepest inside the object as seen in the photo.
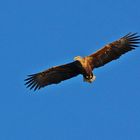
(89, 78)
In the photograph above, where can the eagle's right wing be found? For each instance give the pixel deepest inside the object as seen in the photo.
(53, 75)
(114, 50)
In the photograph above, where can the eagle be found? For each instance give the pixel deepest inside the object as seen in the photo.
(84, 65)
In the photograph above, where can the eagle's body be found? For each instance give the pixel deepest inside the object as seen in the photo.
(84, 65)
(86, 68)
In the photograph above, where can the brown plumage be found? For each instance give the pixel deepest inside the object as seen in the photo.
(84, 65)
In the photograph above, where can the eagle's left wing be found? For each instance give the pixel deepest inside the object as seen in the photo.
(114, 50)
(52, 75)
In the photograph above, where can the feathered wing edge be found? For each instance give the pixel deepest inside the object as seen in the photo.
(53, 75)
(114, 50)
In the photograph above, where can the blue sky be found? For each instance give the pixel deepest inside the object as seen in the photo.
(35, 35)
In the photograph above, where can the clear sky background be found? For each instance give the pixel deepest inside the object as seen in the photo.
(35, 35)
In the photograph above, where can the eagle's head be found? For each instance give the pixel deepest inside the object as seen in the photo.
(78, 58)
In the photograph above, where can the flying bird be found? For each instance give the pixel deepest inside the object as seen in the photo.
(84, 65)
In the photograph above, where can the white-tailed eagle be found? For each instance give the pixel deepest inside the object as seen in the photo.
(84, 65)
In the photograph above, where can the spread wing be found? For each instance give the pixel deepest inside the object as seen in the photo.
(114, 50)
(53, 75)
